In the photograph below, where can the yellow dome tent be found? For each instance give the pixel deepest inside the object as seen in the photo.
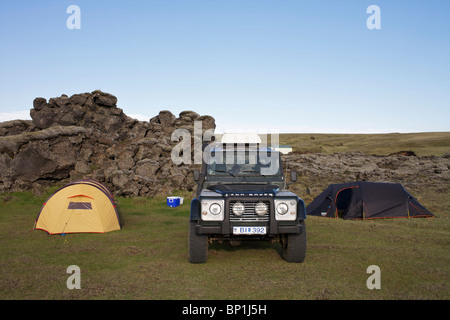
(80, 206)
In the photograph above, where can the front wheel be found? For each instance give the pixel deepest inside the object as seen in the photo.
(197, 245)
(294, 246)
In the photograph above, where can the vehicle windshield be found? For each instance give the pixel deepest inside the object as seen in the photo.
(239, 163)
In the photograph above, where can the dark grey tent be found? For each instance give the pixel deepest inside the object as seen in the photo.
(366, 200)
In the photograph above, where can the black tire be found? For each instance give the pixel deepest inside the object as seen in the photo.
(197, 245)
(294, 246)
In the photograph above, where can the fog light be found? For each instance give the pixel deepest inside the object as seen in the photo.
(238, 209)
(261, 209)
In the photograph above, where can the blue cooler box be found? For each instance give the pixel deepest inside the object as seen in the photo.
(173, 201)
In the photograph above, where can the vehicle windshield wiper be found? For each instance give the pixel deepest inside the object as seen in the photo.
(258, 173)
(224, 171)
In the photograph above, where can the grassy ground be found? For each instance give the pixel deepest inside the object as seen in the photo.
(147, 259)
(422, 144)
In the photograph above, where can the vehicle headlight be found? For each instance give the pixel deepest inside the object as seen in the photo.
(261, 209)
(285, 209)
(212, 209)
(282, 208)
(238, 209)
(215, 208)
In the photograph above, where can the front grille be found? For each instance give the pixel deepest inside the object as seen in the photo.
(249, 212)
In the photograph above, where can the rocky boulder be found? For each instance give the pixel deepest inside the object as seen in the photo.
(318, 170)
(88, 136)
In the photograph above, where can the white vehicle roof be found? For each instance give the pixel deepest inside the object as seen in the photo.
(241, 138)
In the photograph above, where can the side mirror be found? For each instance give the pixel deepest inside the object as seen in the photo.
(196, 175)
(293, 176)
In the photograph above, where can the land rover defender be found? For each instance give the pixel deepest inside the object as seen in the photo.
(242, 195)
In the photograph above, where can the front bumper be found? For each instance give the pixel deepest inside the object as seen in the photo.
(225, 227)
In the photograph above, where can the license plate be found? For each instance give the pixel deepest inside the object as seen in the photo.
(249, 230)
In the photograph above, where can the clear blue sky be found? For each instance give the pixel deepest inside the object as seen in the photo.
(292, 66)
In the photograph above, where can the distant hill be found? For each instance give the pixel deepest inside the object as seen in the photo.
(421, 144)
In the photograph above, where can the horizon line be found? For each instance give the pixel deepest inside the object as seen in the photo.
(24, 115)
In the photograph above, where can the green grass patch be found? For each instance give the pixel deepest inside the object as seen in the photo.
(147, 259)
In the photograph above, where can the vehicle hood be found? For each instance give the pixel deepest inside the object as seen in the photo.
(244, 188)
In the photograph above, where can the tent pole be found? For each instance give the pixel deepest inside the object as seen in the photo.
(363, 214)
(407, 206)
